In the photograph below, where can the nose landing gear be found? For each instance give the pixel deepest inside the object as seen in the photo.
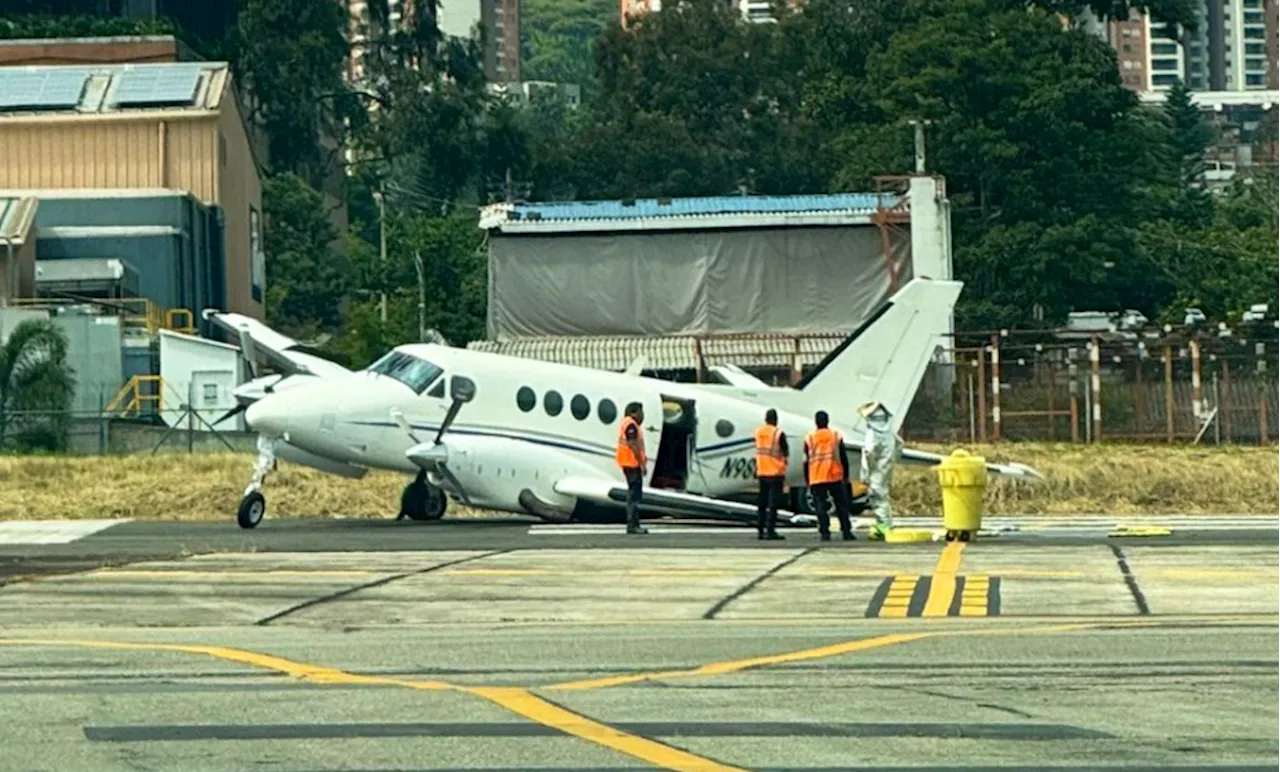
(422, 501)
(254, 505)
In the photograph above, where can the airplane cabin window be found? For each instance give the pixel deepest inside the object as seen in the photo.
(526, 400)
(553, 403)
(412, 371)
(580, 407)
(437, 390)
(608, 411)
(724, 428)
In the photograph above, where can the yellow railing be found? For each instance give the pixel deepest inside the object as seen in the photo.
(132, 396)
(139, 313)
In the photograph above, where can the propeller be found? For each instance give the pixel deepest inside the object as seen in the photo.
(233, 412)
(436, 455)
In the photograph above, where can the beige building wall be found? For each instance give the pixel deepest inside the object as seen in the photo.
(240, 191)
(205, 153)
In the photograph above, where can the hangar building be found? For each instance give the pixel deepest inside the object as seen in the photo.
(776, 280)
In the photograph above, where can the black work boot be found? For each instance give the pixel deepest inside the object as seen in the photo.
(825, 536)
(774, 536)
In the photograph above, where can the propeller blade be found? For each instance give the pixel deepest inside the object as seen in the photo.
(403, 423)
(453, 481)
(448, 418)
(249, 352)
(235, 411)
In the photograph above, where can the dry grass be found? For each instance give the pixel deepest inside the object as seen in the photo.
(1080, 480)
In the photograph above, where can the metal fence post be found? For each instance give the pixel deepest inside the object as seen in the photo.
(1073, 390)
(1095, 381)
(190, 409)
(102, 423)
(982, 394)
(995, 387)
(1197, 392)
(1168, 392)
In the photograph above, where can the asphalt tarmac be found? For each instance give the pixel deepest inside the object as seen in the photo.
(501, 645)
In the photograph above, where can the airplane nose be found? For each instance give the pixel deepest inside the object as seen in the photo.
(267, 416)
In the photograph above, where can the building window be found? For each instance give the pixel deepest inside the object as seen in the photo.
(211, 394)
(222, 150)
(1256, 33)
(1164, 79)
(553, 403)
(526, 399)
(1127, 48)
(1253, 17)
(1259, 49)
(580, 406)
(608, 412)
(1255, 79)
(1256, 64)
(1129, 64)
(1164, 65)
(1164, 49)
(257, 261)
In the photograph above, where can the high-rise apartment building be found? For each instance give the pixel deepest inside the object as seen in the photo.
(759, 11)
(458, 18)
(1231, 48)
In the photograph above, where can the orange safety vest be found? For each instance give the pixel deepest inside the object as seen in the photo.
(769, 459)
(625, 456)
(824, 460)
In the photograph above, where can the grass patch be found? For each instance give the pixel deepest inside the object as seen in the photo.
(1080, 480)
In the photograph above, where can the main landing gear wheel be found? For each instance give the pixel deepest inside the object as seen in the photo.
(252, 507)
(422, 501)
(961, 535)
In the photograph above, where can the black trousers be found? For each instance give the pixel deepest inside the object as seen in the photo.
(822, 494)
(635, 486)
(767, 504)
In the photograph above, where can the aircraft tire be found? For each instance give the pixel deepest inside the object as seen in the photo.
(252, 508)
(423, 501)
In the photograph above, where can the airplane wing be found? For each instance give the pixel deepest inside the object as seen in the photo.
(669, 502)
(284, 353)
(1014, 470)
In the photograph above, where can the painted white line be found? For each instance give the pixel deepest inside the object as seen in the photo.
(52, 531)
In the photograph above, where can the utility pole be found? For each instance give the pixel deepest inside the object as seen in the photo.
(422, 296)
(920, 153)
(381, 195)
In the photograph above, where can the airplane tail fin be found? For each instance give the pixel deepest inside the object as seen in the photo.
(885, 358)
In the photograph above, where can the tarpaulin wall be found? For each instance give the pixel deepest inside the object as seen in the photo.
(760, 280)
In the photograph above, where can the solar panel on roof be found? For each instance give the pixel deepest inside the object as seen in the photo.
(157, 86)
(41, 89)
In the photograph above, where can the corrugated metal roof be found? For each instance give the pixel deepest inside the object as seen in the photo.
(102, 82)
(669, 353)
(707, 211)
(16, 215)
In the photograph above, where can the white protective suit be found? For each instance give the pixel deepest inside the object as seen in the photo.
(880, 449)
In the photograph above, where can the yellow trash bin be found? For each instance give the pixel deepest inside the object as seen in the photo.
(964, 483)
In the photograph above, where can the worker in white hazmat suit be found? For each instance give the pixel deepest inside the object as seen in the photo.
(880, 449)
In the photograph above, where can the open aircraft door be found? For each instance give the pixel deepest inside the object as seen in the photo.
(676, 446)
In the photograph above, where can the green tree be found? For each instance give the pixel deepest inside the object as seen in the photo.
(307, 279)
(454, 281)
(558, 39)
(1190, 135)
(291, 54)
(1042, 148)
(36, 387)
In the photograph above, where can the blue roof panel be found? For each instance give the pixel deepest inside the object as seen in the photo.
(703, 206)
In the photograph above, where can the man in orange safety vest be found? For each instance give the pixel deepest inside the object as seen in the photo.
(826, 473)
(771, 471)
(632, 460)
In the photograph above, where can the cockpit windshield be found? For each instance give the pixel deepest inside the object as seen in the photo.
(414, 372)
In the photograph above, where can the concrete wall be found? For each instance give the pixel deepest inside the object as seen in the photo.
(97, 437)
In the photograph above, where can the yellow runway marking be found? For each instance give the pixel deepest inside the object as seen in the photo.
(315, 673)
(534, 708)
(734, 666)
(898, 600)
(492, 572)
(942, 590)
(215, 574)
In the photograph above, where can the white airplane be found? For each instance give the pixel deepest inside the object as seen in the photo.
(538, 438)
